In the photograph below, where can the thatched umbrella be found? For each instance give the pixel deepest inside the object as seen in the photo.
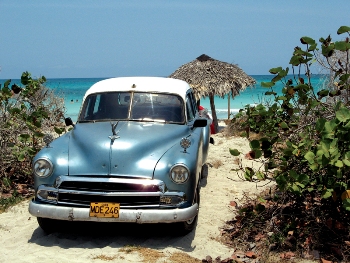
(210, 77)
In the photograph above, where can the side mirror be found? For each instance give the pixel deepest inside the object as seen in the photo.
(68, 121)
(200, 123)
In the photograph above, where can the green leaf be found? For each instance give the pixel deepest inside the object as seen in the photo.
(255, 144)
(320, 124)
(281, 182)
(58, 130)
(323, 93)
(244, 134)
(293, 174)
(343, 114)
(343, 29)
(307, 40)
(276, 78)
(346, 204)
(275, 70)
(339, 164)
(344, 77)
(346, 162)
(21, 157)
(295, 61)
(283, 125)
(342, 45)
(328, 51)
(248, 174)
(260, 175)
(296, 189)
(347, 125)
(312, 47)
(267, 84)
(39, 134)
(283, 73)
(281, 98)
(303, 179)
(329, 129)
(314, 166)
(234, 152)
(24, 137)
(310, 157)
(326, 193)
(257, 154)
(333, 147)
(270, 93)
(302, 87)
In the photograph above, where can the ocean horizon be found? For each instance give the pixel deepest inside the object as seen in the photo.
(73, 90)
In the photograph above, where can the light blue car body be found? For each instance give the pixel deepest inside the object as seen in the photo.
(96, 156)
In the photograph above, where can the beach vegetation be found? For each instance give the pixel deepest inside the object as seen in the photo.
(305, 147)
(28, 111)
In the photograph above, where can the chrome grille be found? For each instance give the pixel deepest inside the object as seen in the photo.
(130, 193)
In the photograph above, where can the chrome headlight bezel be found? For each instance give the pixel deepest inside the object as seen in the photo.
(42, 164)
(179, 173)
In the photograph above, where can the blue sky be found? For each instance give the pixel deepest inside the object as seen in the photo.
(85, 38)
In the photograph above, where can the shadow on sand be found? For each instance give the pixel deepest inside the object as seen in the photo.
(116, 235)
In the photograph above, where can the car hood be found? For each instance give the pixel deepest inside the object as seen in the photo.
(133, 153)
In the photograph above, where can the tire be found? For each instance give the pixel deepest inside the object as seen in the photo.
(187, 226)
(47, 224)
(204, 171)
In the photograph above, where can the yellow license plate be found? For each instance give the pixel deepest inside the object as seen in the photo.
(104, 210)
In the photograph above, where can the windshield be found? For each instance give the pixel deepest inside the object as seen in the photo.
(136, 106)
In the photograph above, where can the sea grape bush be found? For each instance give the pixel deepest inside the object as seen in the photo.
(26, 113)
(305, 133)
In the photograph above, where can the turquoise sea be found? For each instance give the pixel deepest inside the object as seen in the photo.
(73, 90)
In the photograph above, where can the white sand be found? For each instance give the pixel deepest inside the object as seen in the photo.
(21, 239)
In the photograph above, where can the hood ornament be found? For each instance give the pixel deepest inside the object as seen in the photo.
(115, 133)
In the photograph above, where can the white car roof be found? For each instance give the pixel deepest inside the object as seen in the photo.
(141, 84)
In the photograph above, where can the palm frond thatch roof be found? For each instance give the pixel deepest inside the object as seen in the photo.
(208, 76)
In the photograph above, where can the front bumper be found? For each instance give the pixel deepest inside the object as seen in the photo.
(125, 215)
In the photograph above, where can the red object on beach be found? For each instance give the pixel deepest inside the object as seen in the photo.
(212, 129)
(203, 111)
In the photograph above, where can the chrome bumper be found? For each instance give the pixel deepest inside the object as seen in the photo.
(125, 215)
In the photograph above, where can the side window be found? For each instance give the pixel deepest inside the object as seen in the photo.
(89, 108)
(194, 102)
(97, 104)
(189, 108)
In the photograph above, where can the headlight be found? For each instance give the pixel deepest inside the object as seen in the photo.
(43, 167)
(179, 173)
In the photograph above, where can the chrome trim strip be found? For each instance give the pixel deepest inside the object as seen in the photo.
(124, 206)
(65, 191)
(125, 215)
(64, 178)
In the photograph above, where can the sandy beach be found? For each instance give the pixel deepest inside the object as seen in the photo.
(21, 239)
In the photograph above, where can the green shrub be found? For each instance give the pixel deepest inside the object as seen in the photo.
(26, 113)
(305, 133)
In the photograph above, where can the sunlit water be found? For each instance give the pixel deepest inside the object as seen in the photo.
(73, 90)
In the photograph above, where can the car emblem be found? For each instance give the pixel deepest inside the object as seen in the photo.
(115, 133)
(185, 143)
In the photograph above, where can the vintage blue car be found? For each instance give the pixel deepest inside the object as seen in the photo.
(135, 154)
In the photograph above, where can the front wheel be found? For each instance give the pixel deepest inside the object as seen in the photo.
(47, 224)
(187, 226)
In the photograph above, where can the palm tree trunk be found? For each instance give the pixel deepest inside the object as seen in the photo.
(213, 112)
